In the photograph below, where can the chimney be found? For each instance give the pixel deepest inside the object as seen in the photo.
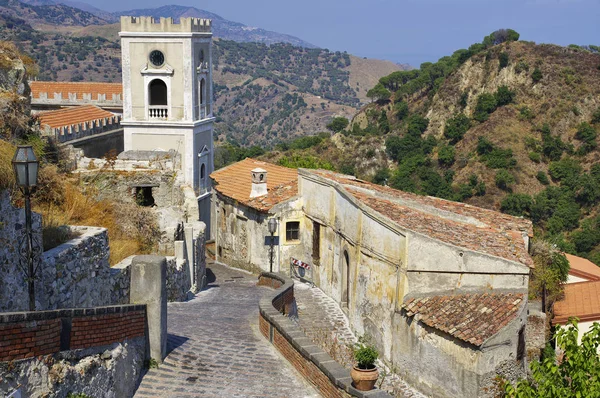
(259, 182)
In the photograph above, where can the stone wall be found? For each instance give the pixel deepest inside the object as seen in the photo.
(13, 288)
(110, 371)
(77, 274)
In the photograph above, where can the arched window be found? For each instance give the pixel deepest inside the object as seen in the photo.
(202, 172)
(202, 92)
(158, 92)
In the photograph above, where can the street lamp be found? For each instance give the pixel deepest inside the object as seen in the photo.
(26, 166)
(272, 229)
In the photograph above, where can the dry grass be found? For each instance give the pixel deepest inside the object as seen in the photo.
(131, 230)
(7, 177)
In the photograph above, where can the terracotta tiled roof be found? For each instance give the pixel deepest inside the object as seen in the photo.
(581, 300)
(78, 88)
(583, 268)
(456, 223)
(473, 318)
(234, 181)
(69, 116)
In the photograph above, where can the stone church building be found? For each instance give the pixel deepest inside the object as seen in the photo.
(440, 286)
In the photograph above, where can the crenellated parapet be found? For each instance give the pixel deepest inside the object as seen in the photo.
(86, 129)
(162, 25)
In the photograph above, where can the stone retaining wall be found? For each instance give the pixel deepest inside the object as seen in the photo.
(329, 377)
(29, 334)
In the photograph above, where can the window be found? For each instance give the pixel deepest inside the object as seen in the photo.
(292, 230)
(158, 92)
(521, 344)
(316, 242)
(202, 172)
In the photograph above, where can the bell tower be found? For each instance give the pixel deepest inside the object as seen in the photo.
(167, 94)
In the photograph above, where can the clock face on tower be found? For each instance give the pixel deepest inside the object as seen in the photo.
(157, 58)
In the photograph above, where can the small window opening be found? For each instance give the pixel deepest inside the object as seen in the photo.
(316, 243)
(202, 171)
(292, 230)
(521, 344)
(143, 196)
(158, 92)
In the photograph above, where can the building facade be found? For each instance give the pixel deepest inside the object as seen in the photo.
(167, 94)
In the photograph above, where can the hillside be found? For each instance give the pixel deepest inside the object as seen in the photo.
(507, 125)
(263, 94)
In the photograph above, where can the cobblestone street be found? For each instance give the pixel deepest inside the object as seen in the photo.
(215, 349)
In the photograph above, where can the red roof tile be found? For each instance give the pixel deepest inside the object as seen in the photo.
(234, 181)
(78, 88)
(69, 116)
(456, 223)
(583, 268)
(581, 299)
(473, 318)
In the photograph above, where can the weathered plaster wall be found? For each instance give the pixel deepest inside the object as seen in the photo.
(13, 288)
(241, 234)
(109, 371)
(387, 263)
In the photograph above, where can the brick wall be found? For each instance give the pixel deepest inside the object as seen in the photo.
(29, 334)
(106, 329)
(29, 339)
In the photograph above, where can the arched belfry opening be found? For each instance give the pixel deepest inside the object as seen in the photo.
(158, 92)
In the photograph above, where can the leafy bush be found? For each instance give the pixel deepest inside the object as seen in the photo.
(401, 109)
(456, 127)
(504, 96)
(552, 146)
(542, 177)
(525, 113)
(536, 76)
(337, 124)
(596, 117)
(587, 135)
(504, 179)
(567, 171)
(503, 58)
(576, 375)
(381, 176)
(384, 124)
(446, 155)
(494, 157)
(535, 157)
(486, 104)
(517, 204)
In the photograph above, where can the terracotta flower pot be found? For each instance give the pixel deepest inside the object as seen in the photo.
(364, 379)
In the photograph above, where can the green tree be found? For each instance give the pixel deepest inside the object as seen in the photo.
(517, 204)
(456, 127)
(379, 93)
(596, 117)
(338, 124)
(575, 376)
(384, 124)
(542, 178)
(587, 135)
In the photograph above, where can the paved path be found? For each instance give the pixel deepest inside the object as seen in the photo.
(325, 323)
(216, 349)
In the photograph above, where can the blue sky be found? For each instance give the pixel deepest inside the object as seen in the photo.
(404, 31)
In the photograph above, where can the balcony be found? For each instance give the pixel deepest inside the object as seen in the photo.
(158, 112)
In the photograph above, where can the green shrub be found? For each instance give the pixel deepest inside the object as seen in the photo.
(401, 109)
(525, 113)
(542, 178)
(587, 135)
(480, 189)
(365, 356)
(446, 155)
(381, 176)
(517, 204)
(338, 124)
(596, 117)
(536, 76)
(503, 58)
(456, 127)
(567, 171)
(486, 104)
(504, 179)
(504, 96)
(535, 157)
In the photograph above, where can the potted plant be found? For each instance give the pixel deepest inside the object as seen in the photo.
(364, 373)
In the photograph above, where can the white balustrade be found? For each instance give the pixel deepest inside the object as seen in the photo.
(158, 112)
